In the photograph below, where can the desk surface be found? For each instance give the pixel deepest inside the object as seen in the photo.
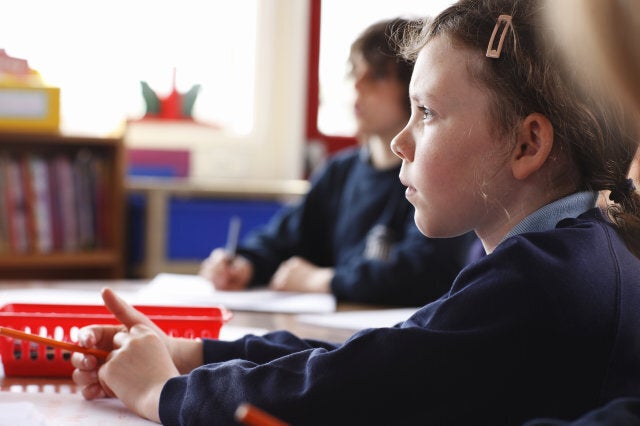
(49, 394)
(241, 319)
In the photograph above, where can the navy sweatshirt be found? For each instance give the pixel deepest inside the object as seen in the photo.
(547, 325)
(357, 220)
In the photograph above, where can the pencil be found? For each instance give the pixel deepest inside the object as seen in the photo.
(233, 236)
(251, 415)
(9, 332)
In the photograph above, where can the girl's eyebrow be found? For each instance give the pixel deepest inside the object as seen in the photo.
(422, 97)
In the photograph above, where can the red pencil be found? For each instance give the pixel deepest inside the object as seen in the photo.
(16, 334)
(251, 415)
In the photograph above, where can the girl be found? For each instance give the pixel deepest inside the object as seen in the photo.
(547, 324)
(353, 234)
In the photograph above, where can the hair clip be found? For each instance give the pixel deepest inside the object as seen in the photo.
(505, 22)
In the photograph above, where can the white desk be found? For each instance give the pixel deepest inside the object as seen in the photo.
(58, 399)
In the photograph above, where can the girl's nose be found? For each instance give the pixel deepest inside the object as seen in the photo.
(400, 145)
(357, 83)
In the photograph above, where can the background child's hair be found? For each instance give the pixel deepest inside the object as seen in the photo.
(596, 135)
(377, 45)
(602, 36)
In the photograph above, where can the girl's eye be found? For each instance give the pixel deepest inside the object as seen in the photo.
(426, 112)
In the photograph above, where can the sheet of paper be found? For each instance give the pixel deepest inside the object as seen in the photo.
(193, 290)
(358, 320)
(51, 295)
(233, 332)
(67, 409)
(21, 413)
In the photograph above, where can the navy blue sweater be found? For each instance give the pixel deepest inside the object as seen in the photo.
(356, 219)
(547, 325)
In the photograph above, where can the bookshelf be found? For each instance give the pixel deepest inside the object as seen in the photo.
(61, 206)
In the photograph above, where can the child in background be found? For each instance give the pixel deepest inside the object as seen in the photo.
(353, 234)
(545, 325)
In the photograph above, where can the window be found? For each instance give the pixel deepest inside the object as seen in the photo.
(247, 55)
(339, 24)
(99, 52)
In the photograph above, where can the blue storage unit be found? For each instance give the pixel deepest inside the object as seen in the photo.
(197, 226)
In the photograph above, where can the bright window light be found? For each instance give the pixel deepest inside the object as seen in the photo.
(341, 22)
(99, 52)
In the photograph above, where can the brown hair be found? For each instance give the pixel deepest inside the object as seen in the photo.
(377, 45)
(601, 37)
(594, 135)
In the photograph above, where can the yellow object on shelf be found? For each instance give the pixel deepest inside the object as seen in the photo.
(29, 108)
(26, 103)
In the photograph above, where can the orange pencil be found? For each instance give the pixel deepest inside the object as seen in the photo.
(9, 332)
(251, 415)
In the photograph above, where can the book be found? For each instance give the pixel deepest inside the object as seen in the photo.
(16, 207)
(28, 193)
(55, 207)
(85, 201)
(99, 170)
(65, 182)
(4, 219)
(39, 204)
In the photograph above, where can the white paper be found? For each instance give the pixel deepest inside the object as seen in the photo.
(51, 295)
(66, 409)
(234, 332)
(193, 290)
(21, 413)
(358, 320)
(69, 294)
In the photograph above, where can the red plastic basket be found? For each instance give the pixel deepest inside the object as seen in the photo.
(62, 322)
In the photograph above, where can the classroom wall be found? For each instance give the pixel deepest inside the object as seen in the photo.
(275, 149)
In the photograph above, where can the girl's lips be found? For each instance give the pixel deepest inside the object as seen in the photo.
(410, 191)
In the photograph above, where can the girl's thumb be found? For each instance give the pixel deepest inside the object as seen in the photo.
(123, 311)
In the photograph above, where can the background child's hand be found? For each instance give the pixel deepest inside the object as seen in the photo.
(298, 274)
(226, 273)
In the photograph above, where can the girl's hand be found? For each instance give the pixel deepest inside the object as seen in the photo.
(182, 355)
(298, 274)
(86, 366)
(226, 273)
(101, 337)
(137, 369)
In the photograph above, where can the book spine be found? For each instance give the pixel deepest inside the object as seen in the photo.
(65, 181)
(85, 202)
(29, 202)
(102, 231)
(55, 207)
(4, 211)
(41, 204)
(18, 237)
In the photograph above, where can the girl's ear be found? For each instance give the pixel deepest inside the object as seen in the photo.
(535, 141)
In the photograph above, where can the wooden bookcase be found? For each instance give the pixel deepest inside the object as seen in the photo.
(61, 250)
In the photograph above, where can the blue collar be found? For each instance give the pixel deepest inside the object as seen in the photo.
(548, 216)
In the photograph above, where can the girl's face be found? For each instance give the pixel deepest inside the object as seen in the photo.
(380, 105)
(454, 166)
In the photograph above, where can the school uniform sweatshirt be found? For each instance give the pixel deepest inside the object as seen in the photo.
(357, 220)
(547, 325)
